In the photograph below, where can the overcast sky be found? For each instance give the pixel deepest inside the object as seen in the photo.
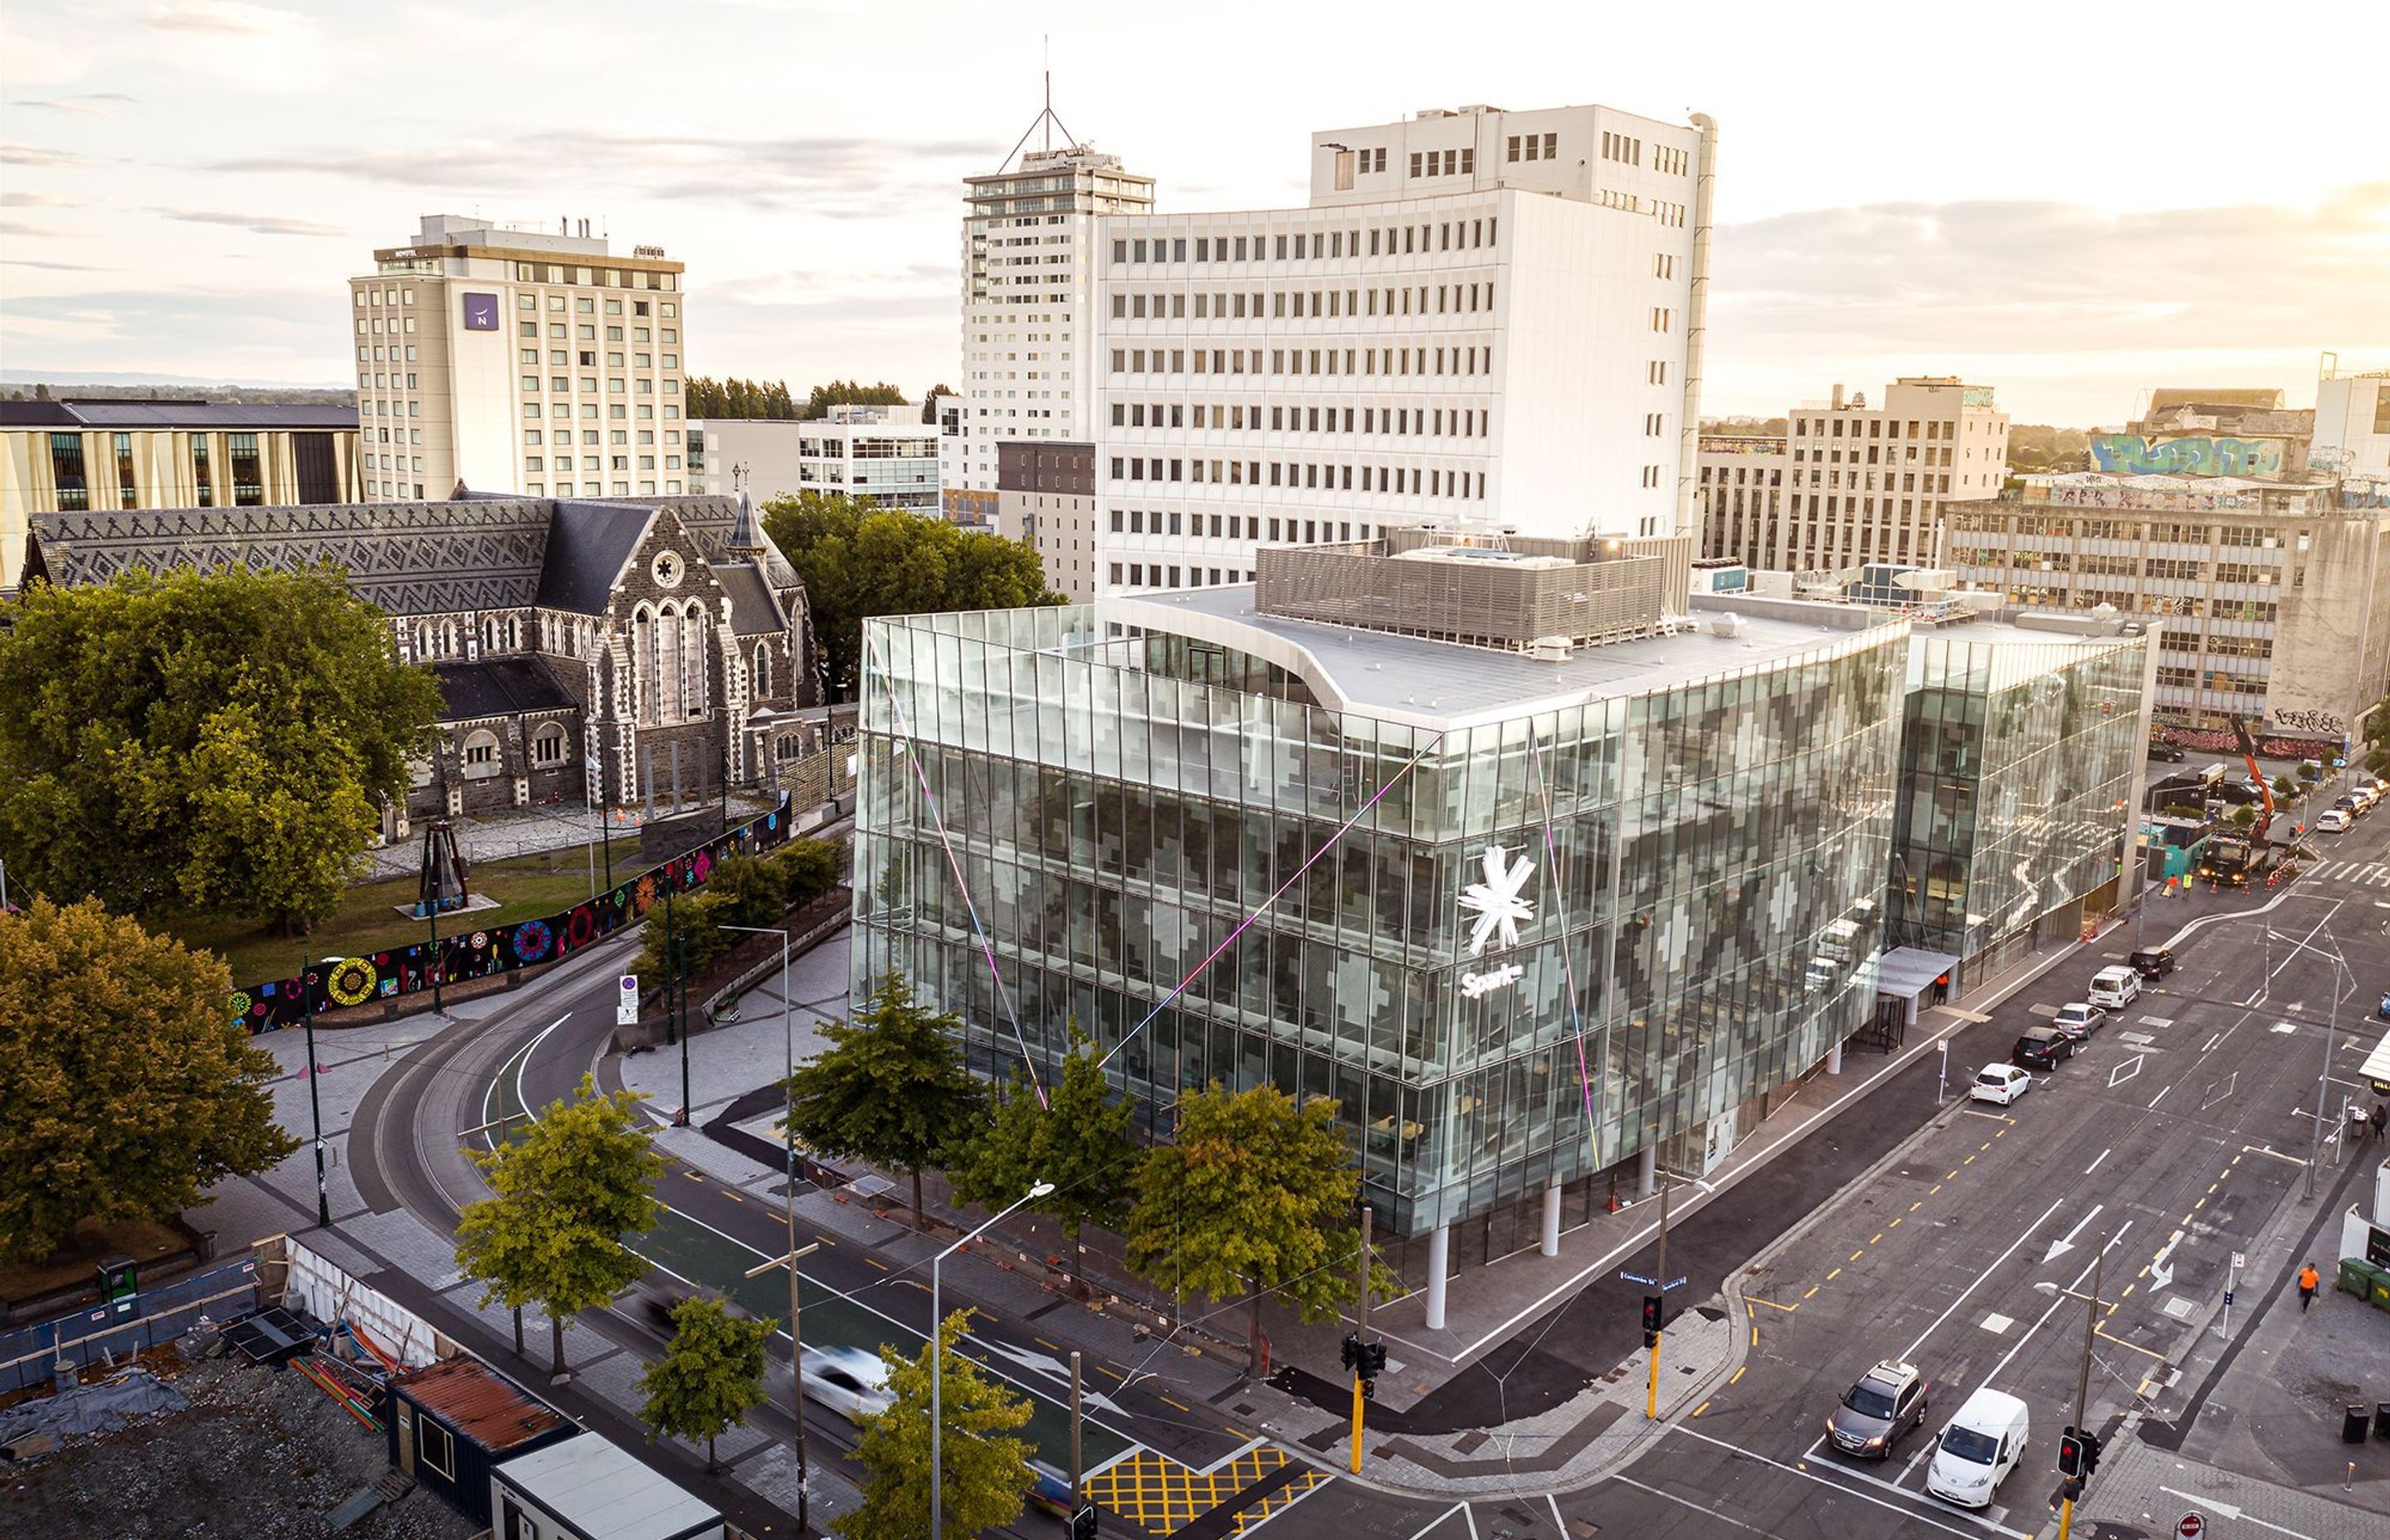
(2071, 202)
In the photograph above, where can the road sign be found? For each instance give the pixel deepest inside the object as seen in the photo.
(1638, 1277)
(2239, 1261)
(2191, 1526)
(626, 1004)
(1673, 1283)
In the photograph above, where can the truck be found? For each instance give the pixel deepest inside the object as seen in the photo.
(2235, 863)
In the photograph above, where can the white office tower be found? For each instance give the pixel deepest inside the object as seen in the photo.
(518, 360)
(1482, 317)
(1029, 306)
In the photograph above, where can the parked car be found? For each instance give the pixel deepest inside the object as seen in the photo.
(2153, 962)
(2332, 821)
(2114, 988)
(1888, 1401)
(2165, 753)
(849, 1380)
(2077, 1021)
(1982, 1444)
(2041, 1048)
(1999, 1083)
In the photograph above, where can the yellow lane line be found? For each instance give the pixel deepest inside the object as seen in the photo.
(1832, 1275)
(1873, 1238)
(1753, 1298)
(1813, 1289)
(1738, 1373)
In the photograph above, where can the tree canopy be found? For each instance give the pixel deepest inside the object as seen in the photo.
(986, 1470)
(563, 1196)
(129, 1090)
(705, 397)
(203, 741)
(1254, 1196)
(1080, 1143)
(711, 1373)
(858, 561)
(891, 1088)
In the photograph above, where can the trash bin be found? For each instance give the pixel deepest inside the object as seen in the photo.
(2357, 1277)
(2381, 1419)
(2353, 1423)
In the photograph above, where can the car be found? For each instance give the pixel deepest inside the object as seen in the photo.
(2077, 1021)
(2041, 1048)
(1050, 1490)
(1888, 1401)
(2153, 962)
(2349, 805)
(2366, 797)
(1982, 1444)
(2165, 753)
(1999, 1083)
(851, 1381)
(2332, 821)
(2114, 988)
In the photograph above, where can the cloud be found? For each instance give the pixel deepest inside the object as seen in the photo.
(261, 224)
(34, 155)
(53, 266)
(223, 16)
(220, 332)
(31, 231)
(100, 102)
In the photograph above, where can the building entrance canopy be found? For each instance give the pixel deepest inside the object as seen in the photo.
(1907, 972)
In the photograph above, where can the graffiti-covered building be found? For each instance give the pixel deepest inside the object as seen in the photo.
(2210, 432)
(632, 652)
(2275, 593)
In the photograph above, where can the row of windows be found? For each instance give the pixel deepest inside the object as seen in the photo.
(582, 304)
(1235, 526)
(1401, 421)
(1241, 305)
(1908, 454)
(587, 358)
(1311, 245)
(1432, 482)
(1443, 163)
(606, 277)
(595, 462)
(1372, 361)
(1814, 428)
(532, 437)
(1533, 147)
(2237, 537)
(70, 476)
(1156, 575)
(618, 411)
(593, 489)
(2172, 568)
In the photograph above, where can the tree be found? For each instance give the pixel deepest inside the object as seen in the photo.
(704, 397)
(128, 1091)
(858, 561)
(741, 889)
(850, 392)
(2244, 816)
(891, 1089)
(930, 402)
(712, 1372)
(1080, 1143)
(987, 1474)
(2283, 786)
(203, 741)
(563, 1198)
(1254, 1196)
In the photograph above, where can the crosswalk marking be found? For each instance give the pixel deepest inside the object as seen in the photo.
(2367, 873)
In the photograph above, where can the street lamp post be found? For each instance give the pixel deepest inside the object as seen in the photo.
(787, 1042)
(2092, 1303)
(2331, 1035)
(314, 1100)
(938, 1358)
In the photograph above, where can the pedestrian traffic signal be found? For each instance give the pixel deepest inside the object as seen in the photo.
(1083, 1524)
(1352, 1349)
(2090, 1455)
(1369, 1390)
(1651, 1320)
(2070, 1453)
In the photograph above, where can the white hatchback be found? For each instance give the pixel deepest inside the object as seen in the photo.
(2332, 821)
(1999, 1083)
(851, 1381)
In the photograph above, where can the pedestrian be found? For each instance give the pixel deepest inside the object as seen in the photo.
(2309, 1281)
(2380, 1118)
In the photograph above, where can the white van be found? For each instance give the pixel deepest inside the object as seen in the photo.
(1982, 1444)
(2114, 988)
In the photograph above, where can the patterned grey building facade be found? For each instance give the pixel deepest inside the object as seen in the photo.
(624, 653)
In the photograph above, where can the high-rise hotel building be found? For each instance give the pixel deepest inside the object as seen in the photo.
(1029, 268)
(513, 360)
(1481, 316)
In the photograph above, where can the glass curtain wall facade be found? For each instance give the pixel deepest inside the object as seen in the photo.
(1112, 815)
(2017, 779)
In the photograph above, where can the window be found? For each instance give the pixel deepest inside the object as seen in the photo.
(435, 1447)
(247, 483)
(548, 745)
(66, 471)
(201, 476)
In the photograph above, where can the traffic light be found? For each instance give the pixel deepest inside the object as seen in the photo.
(2071, 1454)
(1083, 1524)
(1373, 1360)
(1352, 1349)
(2090, 1455)
(1651, 1316)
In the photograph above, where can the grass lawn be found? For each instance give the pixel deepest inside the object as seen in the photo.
(527, 887)
(77, 1260)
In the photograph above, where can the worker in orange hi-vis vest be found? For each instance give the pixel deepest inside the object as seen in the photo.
(2310, 1280)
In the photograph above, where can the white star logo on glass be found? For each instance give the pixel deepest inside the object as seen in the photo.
(1496, 900)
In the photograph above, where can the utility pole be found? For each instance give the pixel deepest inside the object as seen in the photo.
(431, 914)
(2324, 1081)
(796, 1345)
(2082, 1390)
(315, 1102)
(1361, 1365)
(1660, 1272)
(1078, 1466)
(680, 973)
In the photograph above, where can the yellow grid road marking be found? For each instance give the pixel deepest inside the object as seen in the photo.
(1163, 1496)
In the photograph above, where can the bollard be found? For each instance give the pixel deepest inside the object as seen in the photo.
(2381, 1419)
(2353, 1423)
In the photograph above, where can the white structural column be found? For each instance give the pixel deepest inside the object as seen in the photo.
(1439, 1265)
(1834, 1058)
(1552, 1246)
(1647, 1172)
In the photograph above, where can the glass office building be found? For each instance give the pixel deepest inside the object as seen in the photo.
(2021, 767)
(1523, 915)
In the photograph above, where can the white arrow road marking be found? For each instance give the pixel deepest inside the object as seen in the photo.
(1037, 1363)
(2060, 1246)
(2160, 1270)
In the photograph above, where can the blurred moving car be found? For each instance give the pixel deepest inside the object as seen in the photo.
(849, 1380)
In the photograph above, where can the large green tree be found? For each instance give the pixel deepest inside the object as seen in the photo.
(1254, 1196)
(1079, 1141)
(563, 1196)
(891, 1088)
(858, 560)
(196, 740)
(986, 1470)
(850, 392)
(705, 397)
(711, 1373)
(127, 1091)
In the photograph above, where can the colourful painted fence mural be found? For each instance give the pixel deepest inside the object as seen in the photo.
(479, 952)
(2132, 455)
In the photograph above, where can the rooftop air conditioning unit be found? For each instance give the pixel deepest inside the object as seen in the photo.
(1549, 649)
